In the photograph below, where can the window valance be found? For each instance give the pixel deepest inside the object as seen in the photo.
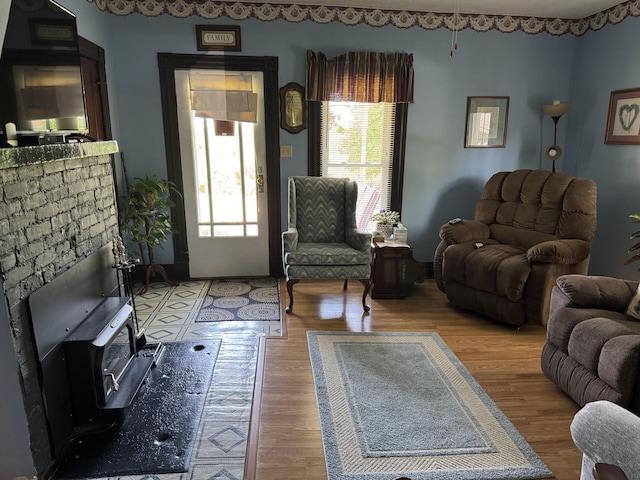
(367, 77)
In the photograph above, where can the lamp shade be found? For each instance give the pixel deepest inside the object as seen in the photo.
(556, 109)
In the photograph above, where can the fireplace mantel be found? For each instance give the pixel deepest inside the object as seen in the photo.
(18, 156)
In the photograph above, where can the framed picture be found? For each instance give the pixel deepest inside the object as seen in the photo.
(293, 112)
(218, 38)
(623, 122)
(486, 122)
(50, 31)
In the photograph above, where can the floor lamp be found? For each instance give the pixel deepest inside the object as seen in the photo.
(555, 111)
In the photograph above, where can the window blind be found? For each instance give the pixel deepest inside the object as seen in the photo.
(356, 141)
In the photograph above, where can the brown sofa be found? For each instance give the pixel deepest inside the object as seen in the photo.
(529, 227)
(592, 350)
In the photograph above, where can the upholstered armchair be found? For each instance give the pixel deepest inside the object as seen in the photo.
(607, 435)
(592, 350)
(529, 227)
(322, 240)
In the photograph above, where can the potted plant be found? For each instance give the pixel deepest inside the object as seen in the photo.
(385, 220)
(144, 220)
(635, 247)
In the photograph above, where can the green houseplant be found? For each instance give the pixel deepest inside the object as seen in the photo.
(144, 219)
(636, 246)
(385, 217)
(385, 220)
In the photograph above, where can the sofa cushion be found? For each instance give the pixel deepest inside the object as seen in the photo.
(589, 337)
(517, 236)
(326, 254)
(633, 308)
(498, 269)
(578, 382)
(328, 271)
(619, 362)
(540, 201)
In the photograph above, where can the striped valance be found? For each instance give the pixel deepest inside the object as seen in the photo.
(367, 77)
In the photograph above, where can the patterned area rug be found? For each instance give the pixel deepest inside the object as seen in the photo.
(402, 404)
(241, 299)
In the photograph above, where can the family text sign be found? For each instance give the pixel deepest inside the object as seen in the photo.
(218, 37)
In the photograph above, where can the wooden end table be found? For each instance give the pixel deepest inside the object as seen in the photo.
(393, 270)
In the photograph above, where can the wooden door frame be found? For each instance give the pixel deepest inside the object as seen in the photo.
(168, 63)
(96, 53)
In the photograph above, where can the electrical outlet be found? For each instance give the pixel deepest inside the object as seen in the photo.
(286, 151)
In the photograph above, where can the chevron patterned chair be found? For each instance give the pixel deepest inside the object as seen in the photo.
(322, 240)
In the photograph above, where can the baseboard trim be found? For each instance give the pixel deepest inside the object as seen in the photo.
(428, 270)
(178, 272)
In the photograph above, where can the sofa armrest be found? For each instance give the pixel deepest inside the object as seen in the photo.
(580, 298)
(607, 293)
(290, 240)
(559, 252)
(607, 433)
(465, 231)
(358, 239)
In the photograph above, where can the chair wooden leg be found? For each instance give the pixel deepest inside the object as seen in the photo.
(290, 283)
(367, 286)
(345, 284)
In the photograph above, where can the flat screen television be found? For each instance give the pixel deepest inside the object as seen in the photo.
(41, 88)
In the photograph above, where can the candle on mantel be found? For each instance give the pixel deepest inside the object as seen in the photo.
(10, 134)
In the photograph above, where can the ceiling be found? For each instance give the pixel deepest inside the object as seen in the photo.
(567, 9)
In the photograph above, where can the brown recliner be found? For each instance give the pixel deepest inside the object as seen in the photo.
(592, 350)
(529, 227)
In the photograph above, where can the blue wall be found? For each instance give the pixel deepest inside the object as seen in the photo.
(442, 178)
(605, 61)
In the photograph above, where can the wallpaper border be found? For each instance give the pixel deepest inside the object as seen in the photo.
(211, 9)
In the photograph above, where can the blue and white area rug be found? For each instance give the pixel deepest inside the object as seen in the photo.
(241, 299)
(402, 405)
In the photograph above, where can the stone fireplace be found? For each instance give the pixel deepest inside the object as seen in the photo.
(57, 207)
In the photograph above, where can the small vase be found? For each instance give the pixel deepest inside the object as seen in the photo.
(386, 230)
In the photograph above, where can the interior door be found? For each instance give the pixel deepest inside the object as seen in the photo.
(222, 144)
(93, 99)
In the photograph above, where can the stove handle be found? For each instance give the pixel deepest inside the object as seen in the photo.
(114, 383)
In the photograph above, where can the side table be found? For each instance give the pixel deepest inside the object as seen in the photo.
(393, 270)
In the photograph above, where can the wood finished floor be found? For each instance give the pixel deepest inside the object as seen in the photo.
(285, 439)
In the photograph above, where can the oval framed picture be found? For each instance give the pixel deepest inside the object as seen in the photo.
(293, 112)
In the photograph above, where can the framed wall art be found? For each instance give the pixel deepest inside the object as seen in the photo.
(623, 121)
(50, 31)
(218, 38)
(486, 125)
(293, 114)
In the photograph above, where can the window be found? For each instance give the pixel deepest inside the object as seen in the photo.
(362, 141)
(225, 169)
(356, 141)
(357, 115)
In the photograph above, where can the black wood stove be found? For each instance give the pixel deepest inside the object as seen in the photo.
(91, 359)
